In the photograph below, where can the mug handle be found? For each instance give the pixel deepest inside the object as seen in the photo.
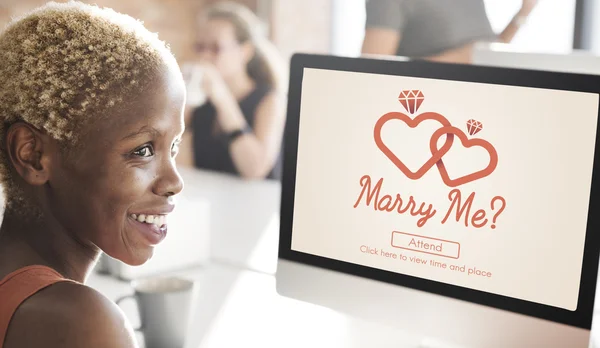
(123, 298)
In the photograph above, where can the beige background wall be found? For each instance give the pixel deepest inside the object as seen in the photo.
(301, 25)
(296, 25)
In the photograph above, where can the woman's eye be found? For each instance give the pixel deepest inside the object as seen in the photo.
(145, 151)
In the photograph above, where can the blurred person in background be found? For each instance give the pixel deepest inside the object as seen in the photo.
(238, 128)
(443, 31)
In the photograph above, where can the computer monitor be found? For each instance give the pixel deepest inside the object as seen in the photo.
(458, 202)
(507, 56)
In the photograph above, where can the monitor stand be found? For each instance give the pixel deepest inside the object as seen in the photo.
(455, 323)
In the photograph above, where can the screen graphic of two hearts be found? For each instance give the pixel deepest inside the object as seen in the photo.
(411, 100)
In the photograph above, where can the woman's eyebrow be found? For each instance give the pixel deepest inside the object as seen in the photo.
(142, 131)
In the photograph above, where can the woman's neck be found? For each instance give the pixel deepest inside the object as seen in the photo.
(42, 241)
(240, 85)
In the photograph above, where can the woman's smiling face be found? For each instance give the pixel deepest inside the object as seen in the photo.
(115, 191)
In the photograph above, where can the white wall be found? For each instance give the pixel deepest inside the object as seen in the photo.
(348, 27)
(549, 27)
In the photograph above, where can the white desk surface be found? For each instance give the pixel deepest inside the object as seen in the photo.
(237, 302)
(244, 217)
(240, 308)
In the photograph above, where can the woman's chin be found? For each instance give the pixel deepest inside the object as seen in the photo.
(142, 257)
(139, 258)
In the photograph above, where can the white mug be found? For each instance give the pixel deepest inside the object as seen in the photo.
(192, 75)
(164, 306)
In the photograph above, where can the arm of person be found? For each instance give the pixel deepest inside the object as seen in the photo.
(254, 153)
(69, 315)
(185, 155)
(508, 34)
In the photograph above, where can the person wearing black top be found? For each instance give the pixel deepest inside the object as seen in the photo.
(238, 130)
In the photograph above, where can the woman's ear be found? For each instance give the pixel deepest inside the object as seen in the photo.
(28, 151)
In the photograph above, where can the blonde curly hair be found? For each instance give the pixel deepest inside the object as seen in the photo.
(65, 64)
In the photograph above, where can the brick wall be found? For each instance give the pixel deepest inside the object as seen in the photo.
(295, 25)
(172, 19)
(301, 26)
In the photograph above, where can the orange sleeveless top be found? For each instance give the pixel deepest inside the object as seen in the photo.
(18, 286)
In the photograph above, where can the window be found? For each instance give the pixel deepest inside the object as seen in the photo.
(548, 29)
(348, 27)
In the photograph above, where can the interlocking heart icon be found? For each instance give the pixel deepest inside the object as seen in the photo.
(436, 154)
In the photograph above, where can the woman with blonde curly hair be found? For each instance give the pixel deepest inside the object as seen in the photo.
(240, 127)
(91, 110)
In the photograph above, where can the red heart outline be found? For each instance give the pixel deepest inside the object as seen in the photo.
(466, 143)
(413, 123)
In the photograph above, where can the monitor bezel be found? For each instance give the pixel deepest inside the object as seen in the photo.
(581, 317)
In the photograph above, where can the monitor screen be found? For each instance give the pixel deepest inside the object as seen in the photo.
(468, 182)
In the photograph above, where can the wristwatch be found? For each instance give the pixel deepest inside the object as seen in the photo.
(232, 136)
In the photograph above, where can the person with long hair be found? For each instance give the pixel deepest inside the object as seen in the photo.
(91, 114)
(239, 129)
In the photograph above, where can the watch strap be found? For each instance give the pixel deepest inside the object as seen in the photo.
(232, 136)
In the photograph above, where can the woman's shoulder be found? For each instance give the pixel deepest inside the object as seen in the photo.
(68, 314)
(271, 100)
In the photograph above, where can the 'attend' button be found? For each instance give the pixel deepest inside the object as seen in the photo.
(426, 245)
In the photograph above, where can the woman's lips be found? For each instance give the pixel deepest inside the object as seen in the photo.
(152, 227)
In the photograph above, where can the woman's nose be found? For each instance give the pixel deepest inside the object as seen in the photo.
(170, 182)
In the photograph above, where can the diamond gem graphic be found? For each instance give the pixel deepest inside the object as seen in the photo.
(411, 100)
(474, 126)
